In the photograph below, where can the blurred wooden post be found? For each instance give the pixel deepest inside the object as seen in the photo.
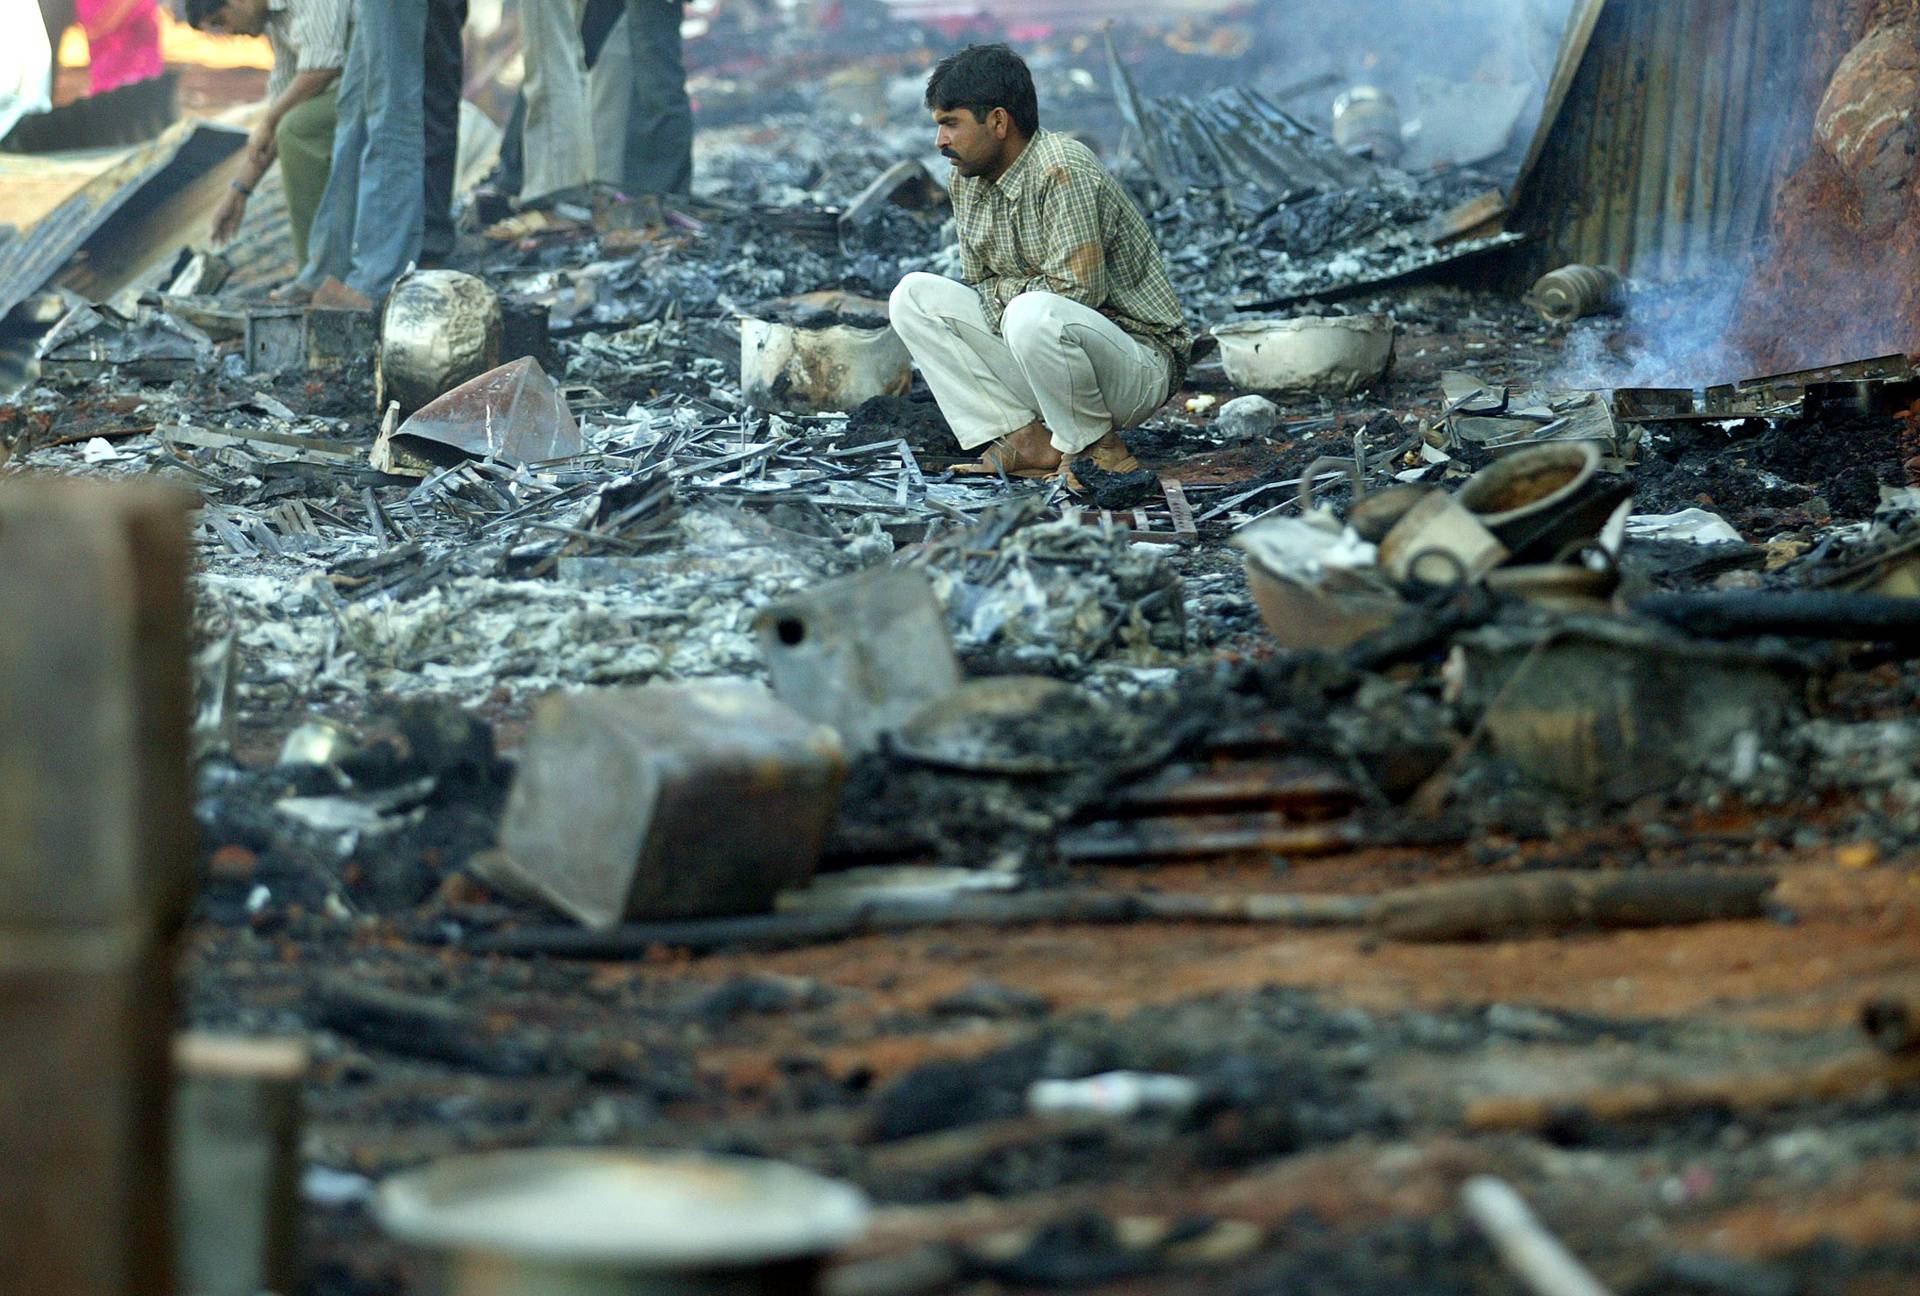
(96, 839)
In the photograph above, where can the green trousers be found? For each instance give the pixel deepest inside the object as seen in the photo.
(306, 155)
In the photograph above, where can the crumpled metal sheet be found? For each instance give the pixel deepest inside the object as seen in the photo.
(512, 413)
(95, 340)
(1232, 137)
(108, 210)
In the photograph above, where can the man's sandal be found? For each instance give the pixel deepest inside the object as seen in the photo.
(1025, 453)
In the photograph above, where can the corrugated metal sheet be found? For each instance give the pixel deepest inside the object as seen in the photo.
(1683, 119)
(125, 220)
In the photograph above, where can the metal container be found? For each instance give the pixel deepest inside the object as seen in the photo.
(687, 800)
(1302, 616)
(1525, 485)
(1439, 542)
(304, 337)
(861, 654)
(587, 1222)
(1603, 707)
(812, 369)
(1366, 119)
(440, 328)
(1334, 354)
(1564, 295)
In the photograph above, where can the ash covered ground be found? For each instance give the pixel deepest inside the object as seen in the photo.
(1334, 1073)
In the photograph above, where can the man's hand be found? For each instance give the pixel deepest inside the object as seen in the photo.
(263, 144)
(226, 221)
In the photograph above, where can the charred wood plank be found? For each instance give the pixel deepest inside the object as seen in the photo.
(428, 1029)
(789, 931)
(1559, 901)
(1849, 1077)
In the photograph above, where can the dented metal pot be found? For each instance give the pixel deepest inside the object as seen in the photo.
(820, 353)
(1530, 482)
(440, 328)
(1342, 353)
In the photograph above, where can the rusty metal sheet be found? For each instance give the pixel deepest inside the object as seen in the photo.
(1679, 119)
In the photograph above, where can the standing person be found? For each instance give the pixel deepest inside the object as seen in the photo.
(597, 23)
(123, 41)
(309, 40)
(371, 219)
(1064, 328)
(557, 144)
(643, 120)
(440, 109)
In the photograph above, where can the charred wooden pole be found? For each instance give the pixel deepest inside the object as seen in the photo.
(1843, 1079)
(96, 840)
(1532, 903)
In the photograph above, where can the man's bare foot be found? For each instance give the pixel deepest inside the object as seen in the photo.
(1109, 453)
(1025, 452)
(334, 295)
(291, 294)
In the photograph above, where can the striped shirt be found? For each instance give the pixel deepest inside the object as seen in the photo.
(307, 36)
(1057, 222)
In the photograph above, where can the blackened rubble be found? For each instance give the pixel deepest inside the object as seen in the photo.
(1261, 1085)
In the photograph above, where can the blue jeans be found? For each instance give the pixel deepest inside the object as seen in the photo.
(368, 228)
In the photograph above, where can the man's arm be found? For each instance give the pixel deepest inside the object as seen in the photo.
(263, 146)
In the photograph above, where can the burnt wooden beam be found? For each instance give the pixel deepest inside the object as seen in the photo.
(96, 849)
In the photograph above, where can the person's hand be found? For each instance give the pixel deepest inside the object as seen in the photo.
(226, 221)
(263, 145)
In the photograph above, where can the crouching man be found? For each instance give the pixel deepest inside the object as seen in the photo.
(1066, 329)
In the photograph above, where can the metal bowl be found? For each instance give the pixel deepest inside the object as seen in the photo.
(595, 1222)
(1342, 353)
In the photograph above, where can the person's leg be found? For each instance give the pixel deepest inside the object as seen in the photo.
(980, 389)
(558, 139)
(610, 92)
(392, 199)
(1087, 375)
(597, 21)
(510, 175)
(305, 137)
(440, 108)
(658, 157)
(330, 241)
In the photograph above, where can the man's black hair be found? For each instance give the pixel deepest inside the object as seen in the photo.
(981, 78)
(198, 11)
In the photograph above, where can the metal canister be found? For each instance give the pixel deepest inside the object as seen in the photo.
(1366, 119)
(440, 329)
(1566, 294)
(692, 800)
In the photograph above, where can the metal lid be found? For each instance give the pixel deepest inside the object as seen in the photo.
(627, 1209)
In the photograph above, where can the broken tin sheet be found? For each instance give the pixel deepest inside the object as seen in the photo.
(513, 414)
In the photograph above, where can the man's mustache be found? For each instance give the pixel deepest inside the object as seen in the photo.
(949, 153)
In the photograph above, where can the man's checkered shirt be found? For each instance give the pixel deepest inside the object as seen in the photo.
(1057, 222)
